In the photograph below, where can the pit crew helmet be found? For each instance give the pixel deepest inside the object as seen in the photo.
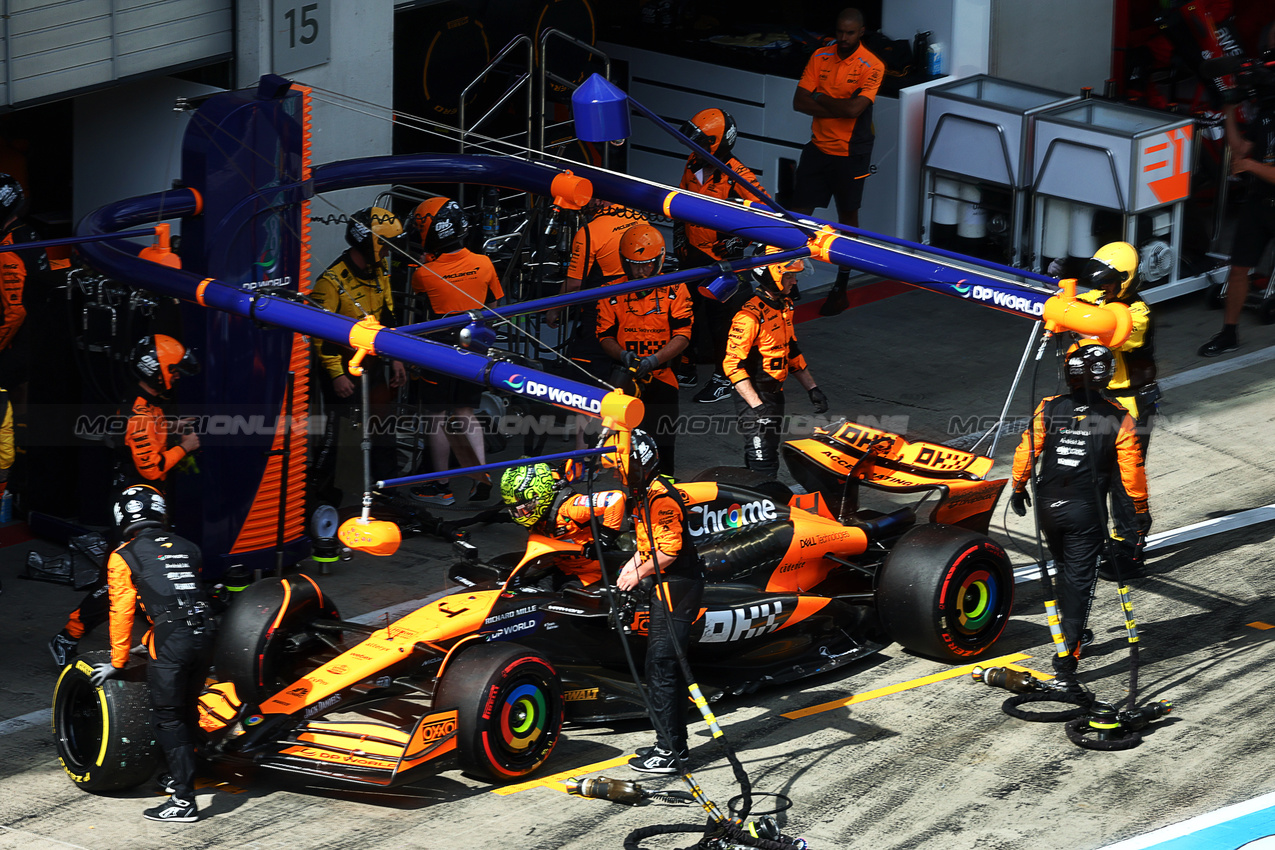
(713, 129)
(644, 459)
(12, 199)
(641, 250)
(772, 276)
(139, 506)
(528, 491)
(368, 228)
(158, 359)
(1113, 265)
(440, 225)
(1089, 365)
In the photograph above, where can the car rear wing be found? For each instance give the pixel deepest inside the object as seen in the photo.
(835, 460)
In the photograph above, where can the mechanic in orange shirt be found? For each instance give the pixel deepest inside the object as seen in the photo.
(645, 332)
(715, 130)
(153, 445)
(761, 353)
(659, 524)
(837, 90)
(161, 570)
(452, 280)
(1082, 441)
(17, 267)
(538, 500)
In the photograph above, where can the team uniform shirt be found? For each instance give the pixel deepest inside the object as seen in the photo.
(1084, 443)
(713, 184)
(152, 447)
(762, 345)
(571, 522)
(156, 568)
(1135, 357)
(828, 74)
(344, 290)
(13, 278)
(595, 255)
(644, 323)
(458, 282)
(665, 528)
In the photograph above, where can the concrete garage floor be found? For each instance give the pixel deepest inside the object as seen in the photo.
(934, 765)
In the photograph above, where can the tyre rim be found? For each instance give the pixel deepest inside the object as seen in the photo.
(80, 724)
(976, 600)
(524, 718)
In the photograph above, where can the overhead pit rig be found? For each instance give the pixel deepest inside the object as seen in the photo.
(246, 190)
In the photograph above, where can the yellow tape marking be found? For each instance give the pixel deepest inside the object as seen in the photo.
(555, 781)
(1258, 624)
(953, 673)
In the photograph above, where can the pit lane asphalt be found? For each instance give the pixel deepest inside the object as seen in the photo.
(928, 765)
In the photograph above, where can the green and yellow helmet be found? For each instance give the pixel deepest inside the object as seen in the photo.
(528, 491)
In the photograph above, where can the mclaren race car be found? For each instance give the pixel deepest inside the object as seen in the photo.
(485, 674)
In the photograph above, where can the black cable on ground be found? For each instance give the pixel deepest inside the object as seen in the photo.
(1077, 729)
(1012, 707)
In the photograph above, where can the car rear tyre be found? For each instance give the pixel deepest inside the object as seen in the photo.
(740, 476)
(104, 736)
(265, 640)
(510, 709)
(945, 592)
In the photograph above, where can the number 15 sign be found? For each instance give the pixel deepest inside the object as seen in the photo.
(301, 34)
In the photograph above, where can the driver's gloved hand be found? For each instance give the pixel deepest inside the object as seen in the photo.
(1019, 502)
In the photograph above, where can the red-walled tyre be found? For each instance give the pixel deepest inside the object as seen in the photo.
(510, 709)
(945, 592)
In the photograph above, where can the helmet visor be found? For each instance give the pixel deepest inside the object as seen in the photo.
(1099, 275)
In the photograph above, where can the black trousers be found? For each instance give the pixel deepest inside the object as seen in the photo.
(1075, 531)
(666, 686)
(176, 676)
(660, 421)
(762, 434)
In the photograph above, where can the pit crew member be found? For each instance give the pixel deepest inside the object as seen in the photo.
(161, 570)
(659, 524)
(761, 352)
(1112, 274)
(645, 332)
(1082, 440)
(715, 130)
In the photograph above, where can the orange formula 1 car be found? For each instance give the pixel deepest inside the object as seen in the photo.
(485, 674)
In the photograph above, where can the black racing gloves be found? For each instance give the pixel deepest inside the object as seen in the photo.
(641, 366)
(1020, 502)
(819, 399)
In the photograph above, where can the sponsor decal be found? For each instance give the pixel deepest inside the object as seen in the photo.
(513, 629)
(580, 694)
(555, 395)
(253, 719)
(509, 615)
(491, 701)
(743, 623)
(598, 500)
(299, 692)
(704, 520)
(438, 729)
(999, 298)
(337, 669)
(322, 705)
(515, 382)
(564, 609)
(339, 758)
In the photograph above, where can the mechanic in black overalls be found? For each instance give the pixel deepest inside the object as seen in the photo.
(659, 525)
(162, 570)
(1081, 438)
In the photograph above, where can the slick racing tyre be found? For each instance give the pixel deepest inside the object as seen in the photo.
(945, 592)
(510, 709)
(740, 476)
(265, 640)
(104, 736)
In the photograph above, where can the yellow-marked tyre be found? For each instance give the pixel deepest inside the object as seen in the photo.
(104, 736)
(510, 709)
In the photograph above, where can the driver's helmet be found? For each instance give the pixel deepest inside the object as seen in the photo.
(139, 506)
(644, 459)
(528, 491)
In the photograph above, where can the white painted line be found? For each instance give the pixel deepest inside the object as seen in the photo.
(1195, 824)
(1212, 370)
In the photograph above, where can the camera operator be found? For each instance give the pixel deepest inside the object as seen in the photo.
(1252, 152)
